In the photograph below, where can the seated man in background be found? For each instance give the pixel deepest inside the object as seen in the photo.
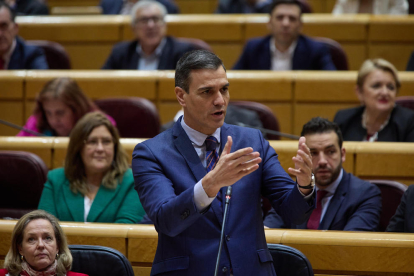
(403, 220)
(371, 6)
(125, 6)
(152, 49)
(344, 202)
(243, 6)
(14, 53)
(28, 7)
(285, 48)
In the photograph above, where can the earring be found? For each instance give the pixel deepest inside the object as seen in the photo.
(57, 255)
(22, 258)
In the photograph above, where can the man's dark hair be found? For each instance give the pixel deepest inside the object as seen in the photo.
(322, 125)
(12, 13)
(194, 60)
(276, 3)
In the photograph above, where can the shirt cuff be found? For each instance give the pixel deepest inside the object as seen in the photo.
(201, 199)
(306, 197)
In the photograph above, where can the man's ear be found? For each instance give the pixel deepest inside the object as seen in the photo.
(343, 153)
(180, 94)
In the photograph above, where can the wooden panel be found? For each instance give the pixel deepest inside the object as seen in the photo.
(69, 3)
(70, 28)
(85, 56)
(142, 243)
(100, 84)
(167, 111)
(129, 144)
(352, 252)
(283, 113)
(197, 7)
(11, 111)
(356, 53)
(41, 146)
(82, 10)
(11, 83)
(304, 112)
(344, 28)
(141, 271)
(327, 87)
(260, 85)
(385, 159)
(228, 52)
(396, 53)
(407, 84)
(391, 28)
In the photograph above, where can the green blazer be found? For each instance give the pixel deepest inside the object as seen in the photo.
(120, 205)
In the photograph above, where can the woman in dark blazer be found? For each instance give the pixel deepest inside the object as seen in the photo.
(379, 118)
(96, 184)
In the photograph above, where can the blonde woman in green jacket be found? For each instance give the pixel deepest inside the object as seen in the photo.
(96, 184)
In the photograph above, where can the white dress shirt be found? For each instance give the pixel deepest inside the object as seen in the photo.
(281, 60)
(150, 62)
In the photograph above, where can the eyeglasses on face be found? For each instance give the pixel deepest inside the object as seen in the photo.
(145, 20)
(94, 142)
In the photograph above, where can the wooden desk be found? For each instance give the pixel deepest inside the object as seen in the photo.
(89, 39)
(329, 252)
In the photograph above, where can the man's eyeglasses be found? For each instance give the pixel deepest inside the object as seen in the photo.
(142, 21)
(93, 143)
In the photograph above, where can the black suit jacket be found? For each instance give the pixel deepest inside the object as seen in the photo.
(115, 6)
(309, 55)
(27, 57)
(403, 220)
(400, 127)
(124, 55)
(355, 206)
(31, 7)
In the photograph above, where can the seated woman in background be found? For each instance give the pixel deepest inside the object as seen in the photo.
(379, 118)
(38, 247)
(59, 105)
(96, 184)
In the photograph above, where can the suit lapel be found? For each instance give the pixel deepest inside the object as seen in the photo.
(186, 149)
(265, 61)
(74, 203)
(166, 56)
(102, 199)
(133, 62)
(335, 203)
(300, 55)
(17, 56)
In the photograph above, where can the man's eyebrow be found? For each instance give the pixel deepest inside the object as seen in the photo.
(330, 146)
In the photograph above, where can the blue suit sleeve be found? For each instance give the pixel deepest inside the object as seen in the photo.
(367, 216)
(171, 213)
(326, 62)
(37, 60)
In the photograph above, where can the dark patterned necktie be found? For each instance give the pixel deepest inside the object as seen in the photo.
(211, 153)
(315, 217)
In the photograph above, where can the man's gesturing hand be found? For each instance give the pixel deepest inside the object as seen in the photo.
(303, 165)
(230, 168)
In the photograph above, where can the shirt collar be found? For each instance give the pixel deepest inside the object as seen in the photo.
(196, 137)
(331, 189)
(7, 56)
(157, 51)
(275, 51)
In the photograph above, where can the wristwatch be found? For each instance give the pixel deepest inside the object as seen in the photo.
(311, 184)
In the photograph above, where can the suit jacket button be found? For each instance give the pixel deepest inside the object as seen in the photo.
(185, 214)
(224, 269)
(227, 238)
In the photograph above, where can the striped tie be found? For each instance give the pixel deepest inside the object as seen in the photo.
(211, 153)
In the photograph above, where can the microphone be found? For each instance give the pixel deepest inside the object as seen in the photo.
(226, 205)
(20, 128)
(270, 131)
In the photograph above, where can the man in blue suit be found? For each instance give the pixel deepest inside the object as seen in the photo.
(285, 48)
(152, 49)
(181, 181)
(344, 202)
(15, 54)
